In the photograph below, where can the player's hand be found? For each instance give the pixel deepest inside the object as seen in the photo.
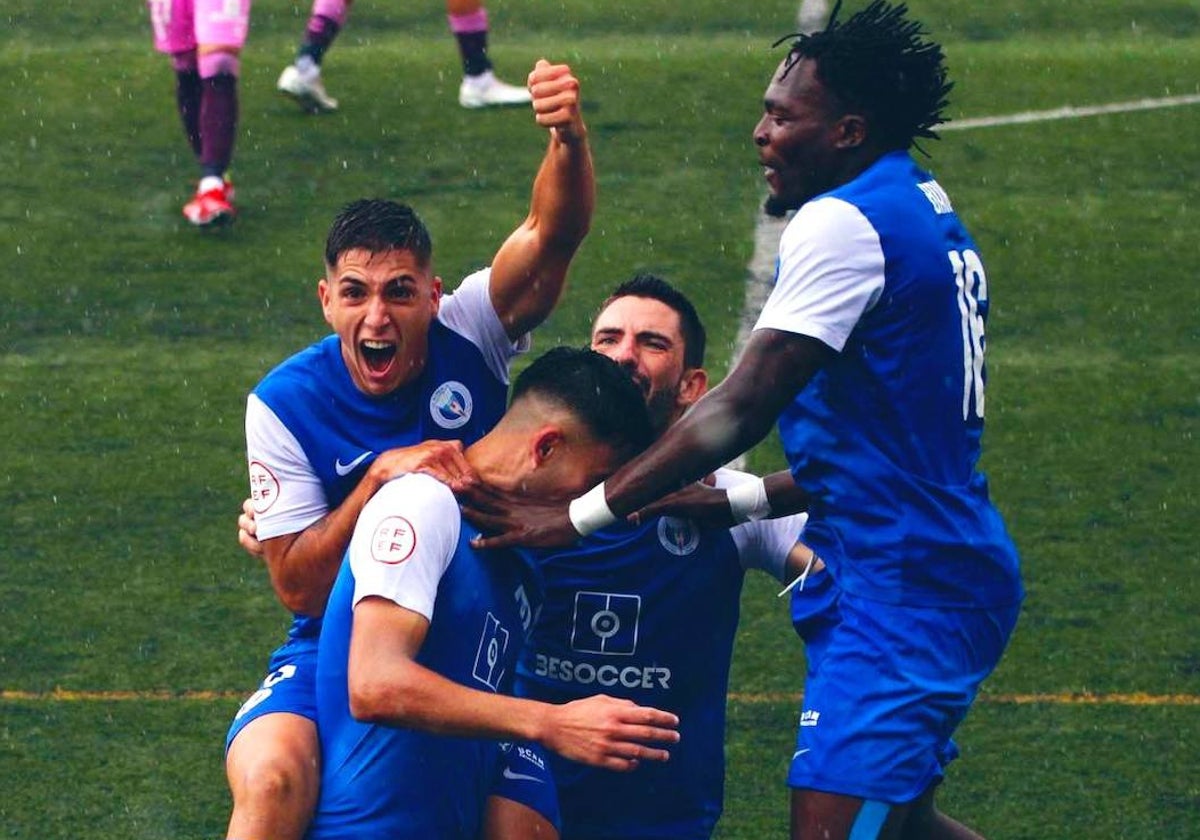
(556, 102)
(698, 501)
(609, 732)
(248, 531)
(511, 519)
(441, 459)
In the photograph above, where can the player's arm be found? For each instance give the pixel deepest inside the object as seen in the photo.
(388, 686)
(725, 422)
(530, 268)
(304, 565)
(770, 497)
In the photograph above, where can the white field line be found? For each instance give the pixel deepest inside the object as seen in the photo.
(1070, 112)
(767, 230)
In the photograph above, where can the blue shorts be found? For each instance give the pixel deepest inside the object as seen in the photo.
(887, 686)
(290, 686)
(523, 775)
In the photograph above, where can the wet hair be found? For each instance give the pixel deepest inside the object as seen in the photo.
(378, 225)
(596, 390)
(876, 62)
(654, 287)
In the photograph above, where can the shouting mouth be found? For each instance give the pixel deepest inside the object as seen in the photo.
(377, 355)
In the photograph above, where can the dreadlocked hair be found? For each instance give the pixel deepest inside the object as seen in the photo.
(877, 62)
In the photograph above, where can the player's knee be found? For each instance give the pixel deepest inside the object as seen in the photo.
(273, 776)
(219, 63)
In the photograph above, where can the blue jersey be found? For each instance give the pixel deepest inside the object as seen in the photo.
(886, 437)
(648, 613)
(312, 433)
(385, 781)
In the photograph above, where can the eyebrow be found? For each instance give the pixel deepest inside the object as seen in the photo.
(638, 334)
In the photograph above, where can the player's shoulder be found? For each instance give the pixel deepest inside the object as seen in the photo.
(417, 492)
(306, 369)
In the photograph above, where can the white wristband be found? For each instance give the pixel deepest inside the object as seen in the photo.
(590, 512)
(748, 501)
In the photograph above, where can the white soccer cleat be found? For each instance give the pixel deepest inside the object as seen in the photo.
(486, 90)
(306, 89)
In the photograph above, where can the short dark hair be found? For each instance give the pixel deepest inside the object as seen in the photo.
(877, 62)
(656, 288)
(378, 225)
(596, 390)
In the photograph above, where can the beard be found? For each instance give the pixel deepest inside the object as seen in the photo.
(662, 406)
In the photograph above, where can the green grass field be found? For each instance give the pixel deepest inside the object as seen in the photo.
(128, 342)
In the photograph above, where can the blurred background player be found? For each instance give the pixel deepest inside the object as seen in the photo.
(204, 39)
(301, 80)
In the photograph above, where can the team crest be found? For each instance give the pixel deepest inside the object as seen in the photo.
(678, 536)
(451, 404)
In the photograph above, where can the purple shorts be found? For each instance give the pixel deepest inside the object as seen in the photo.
(182, 25)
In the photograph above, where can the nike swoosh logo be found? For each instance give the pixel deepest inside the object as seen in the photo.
(520, 777)
(799, 753)
(346, 469)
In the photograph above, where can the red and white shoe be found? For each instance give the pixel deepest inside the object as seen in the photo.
(212, 204)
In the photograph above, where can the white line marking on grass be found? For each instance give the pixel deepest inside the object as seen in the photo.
(1070, 112)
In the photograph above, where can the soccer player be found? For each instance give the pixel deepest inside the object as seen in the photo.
(301, 80)
(422, 632)
(869, 352)
(405, 364)
(648, 612)
(204, 39)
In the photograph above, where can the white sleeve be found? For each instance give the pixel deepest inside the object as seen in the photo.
(831, 271)
(766, 543)
(285, 490)
(404, 541)
(470, 313)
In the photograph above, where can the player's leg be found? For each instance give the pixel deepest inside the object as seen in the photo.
(926, 822)
(272, 752)
(274, 776)
(301, 80)
(882, 699)
(174, 35)
(816, 815)
(523, 801)
(221, 28)
(504, 819)
(480, 87)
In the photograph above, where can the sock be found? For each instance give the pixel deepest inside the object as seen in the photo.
(218, 123)
(471, 31)
(187, 100)
(318, 37)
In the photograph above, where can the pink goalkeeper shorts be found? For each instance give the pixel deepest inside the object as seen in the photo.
(181, 25)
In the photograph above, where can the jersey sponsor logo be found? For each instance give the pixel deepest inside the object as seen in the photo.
(489, 658)
(393, 540)
(809, 718)
(531, 756)
(608, 676)
(264, 487)
(509, 773)
(346, 469)
(450, 405)
(606, 622)
(678, 536)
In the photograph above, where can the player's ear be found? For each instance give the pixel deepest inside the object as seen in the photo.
(547, 441)
(325, 296)
(437, 292)
(692, 386)
(850, 131)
